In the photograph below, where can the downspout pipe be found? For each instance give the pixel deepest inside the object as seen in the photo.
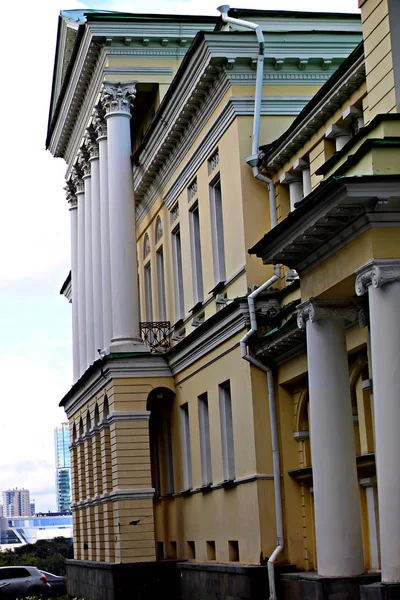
(274, 428)
(253, 159)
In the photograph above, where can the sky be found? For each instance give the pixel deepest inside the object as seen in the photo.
(35, 321)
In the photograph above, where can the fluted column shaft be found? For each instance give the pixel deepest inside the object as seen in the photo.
(81, 291)
(336, 493)
(96, 240)
(382, 280)
(101, 130)
(116, 100)
(90, 347)
(73, 210)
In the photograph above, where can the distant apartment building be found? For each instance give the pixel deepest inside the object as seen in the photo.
(63, 468)
(16, 503)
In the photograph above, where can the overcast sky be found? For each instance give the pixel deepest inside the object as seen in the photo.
(35, 326)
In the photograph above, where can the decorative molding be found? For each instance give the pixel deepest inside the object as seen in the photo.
(143, 415)
(234, 107)
(320, 114)
(138, 70)
(118, 97)
(99, 375)
(70, 192)
(115, 496)
(91, 143)
(377, 272)
(313, 310)
(99, 122)
(77, 180)
(83, 160)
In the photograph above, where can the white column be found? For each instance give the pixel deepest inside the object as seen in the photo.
(336, 493)
(101, 130)
(116, 100)
(90, 348)
(73, 210)
(369, 483)
(295, 188)
(93, 147)
(80, 195)
(382, 280)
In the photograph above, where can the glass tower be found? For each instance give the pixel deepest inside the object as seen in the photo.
(63, 468)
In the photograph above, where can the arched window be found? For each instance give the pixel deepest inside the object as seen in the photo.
(159, 230)
(74, 433)
(96, 415)
(106, 410)
(146, 246)
(88, 422)
(81, 428)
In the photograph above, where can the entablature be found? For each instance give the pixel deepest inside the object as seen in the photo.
(338, 211)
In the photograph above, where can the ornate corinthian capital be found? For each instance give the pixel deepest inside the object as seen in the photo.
(91, 143)
(118, 97)
(70, 192)
(77, 180)
(99, 122)
(83, 160)
(312, 310)
(377, 272)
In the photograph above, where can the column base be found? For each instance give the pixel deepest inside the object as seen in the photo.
(127, 346)
(311, 586)
(380, 591)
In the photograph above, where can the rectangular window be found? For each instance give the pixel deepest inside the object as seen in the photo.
(162, 311)
(186, 453)
(195, 245)
(217, 230)
(147, 291)
(225, 409)
(205, 446)
(178, 274)
(169, 466)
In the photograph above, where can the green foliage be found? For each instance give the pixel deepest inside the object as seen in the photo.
(48, 555)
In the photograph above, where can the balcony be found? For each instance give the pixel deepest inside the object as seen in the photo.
(156, 335)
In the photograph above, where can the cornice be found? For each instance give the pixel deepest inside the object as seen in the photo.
(115, 496)
(311, 123)
(337, 212)
(234, 107)
(284, 345)
(103, 371)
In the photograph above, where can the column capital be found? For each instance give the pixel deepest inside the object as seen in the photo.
(117, 97)
(377, 273)
(77, 179)
(91, 143)
(313, 309)
(83, 160)
(99, 122)
(70, 192)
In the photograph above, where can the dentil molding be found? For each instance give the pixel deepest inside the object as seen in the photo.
(377, 273)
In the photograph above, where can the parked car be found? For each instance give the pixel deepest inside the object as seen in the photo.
(57, 583)
(19, 582)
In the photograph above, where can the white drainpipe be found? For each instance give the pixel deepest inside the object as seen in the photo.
(252, 160)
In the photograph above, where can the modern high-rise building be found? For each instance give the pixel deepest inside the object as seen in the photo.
(16, 503)
(63, 468)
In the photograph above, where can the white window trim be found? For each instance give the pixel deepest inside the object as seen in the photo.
(228, 450)
(205, 444)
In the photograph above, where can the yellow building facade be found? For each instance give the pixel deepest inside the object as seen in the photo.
(191, 467)
(334, 350)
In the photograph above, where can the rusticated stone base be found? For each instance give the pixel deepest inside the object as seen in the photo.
(311, 586)
(380, 591)
(169, 580)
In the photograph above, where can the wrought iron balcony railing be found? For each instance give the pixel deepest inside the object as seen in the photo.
(156, 334)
